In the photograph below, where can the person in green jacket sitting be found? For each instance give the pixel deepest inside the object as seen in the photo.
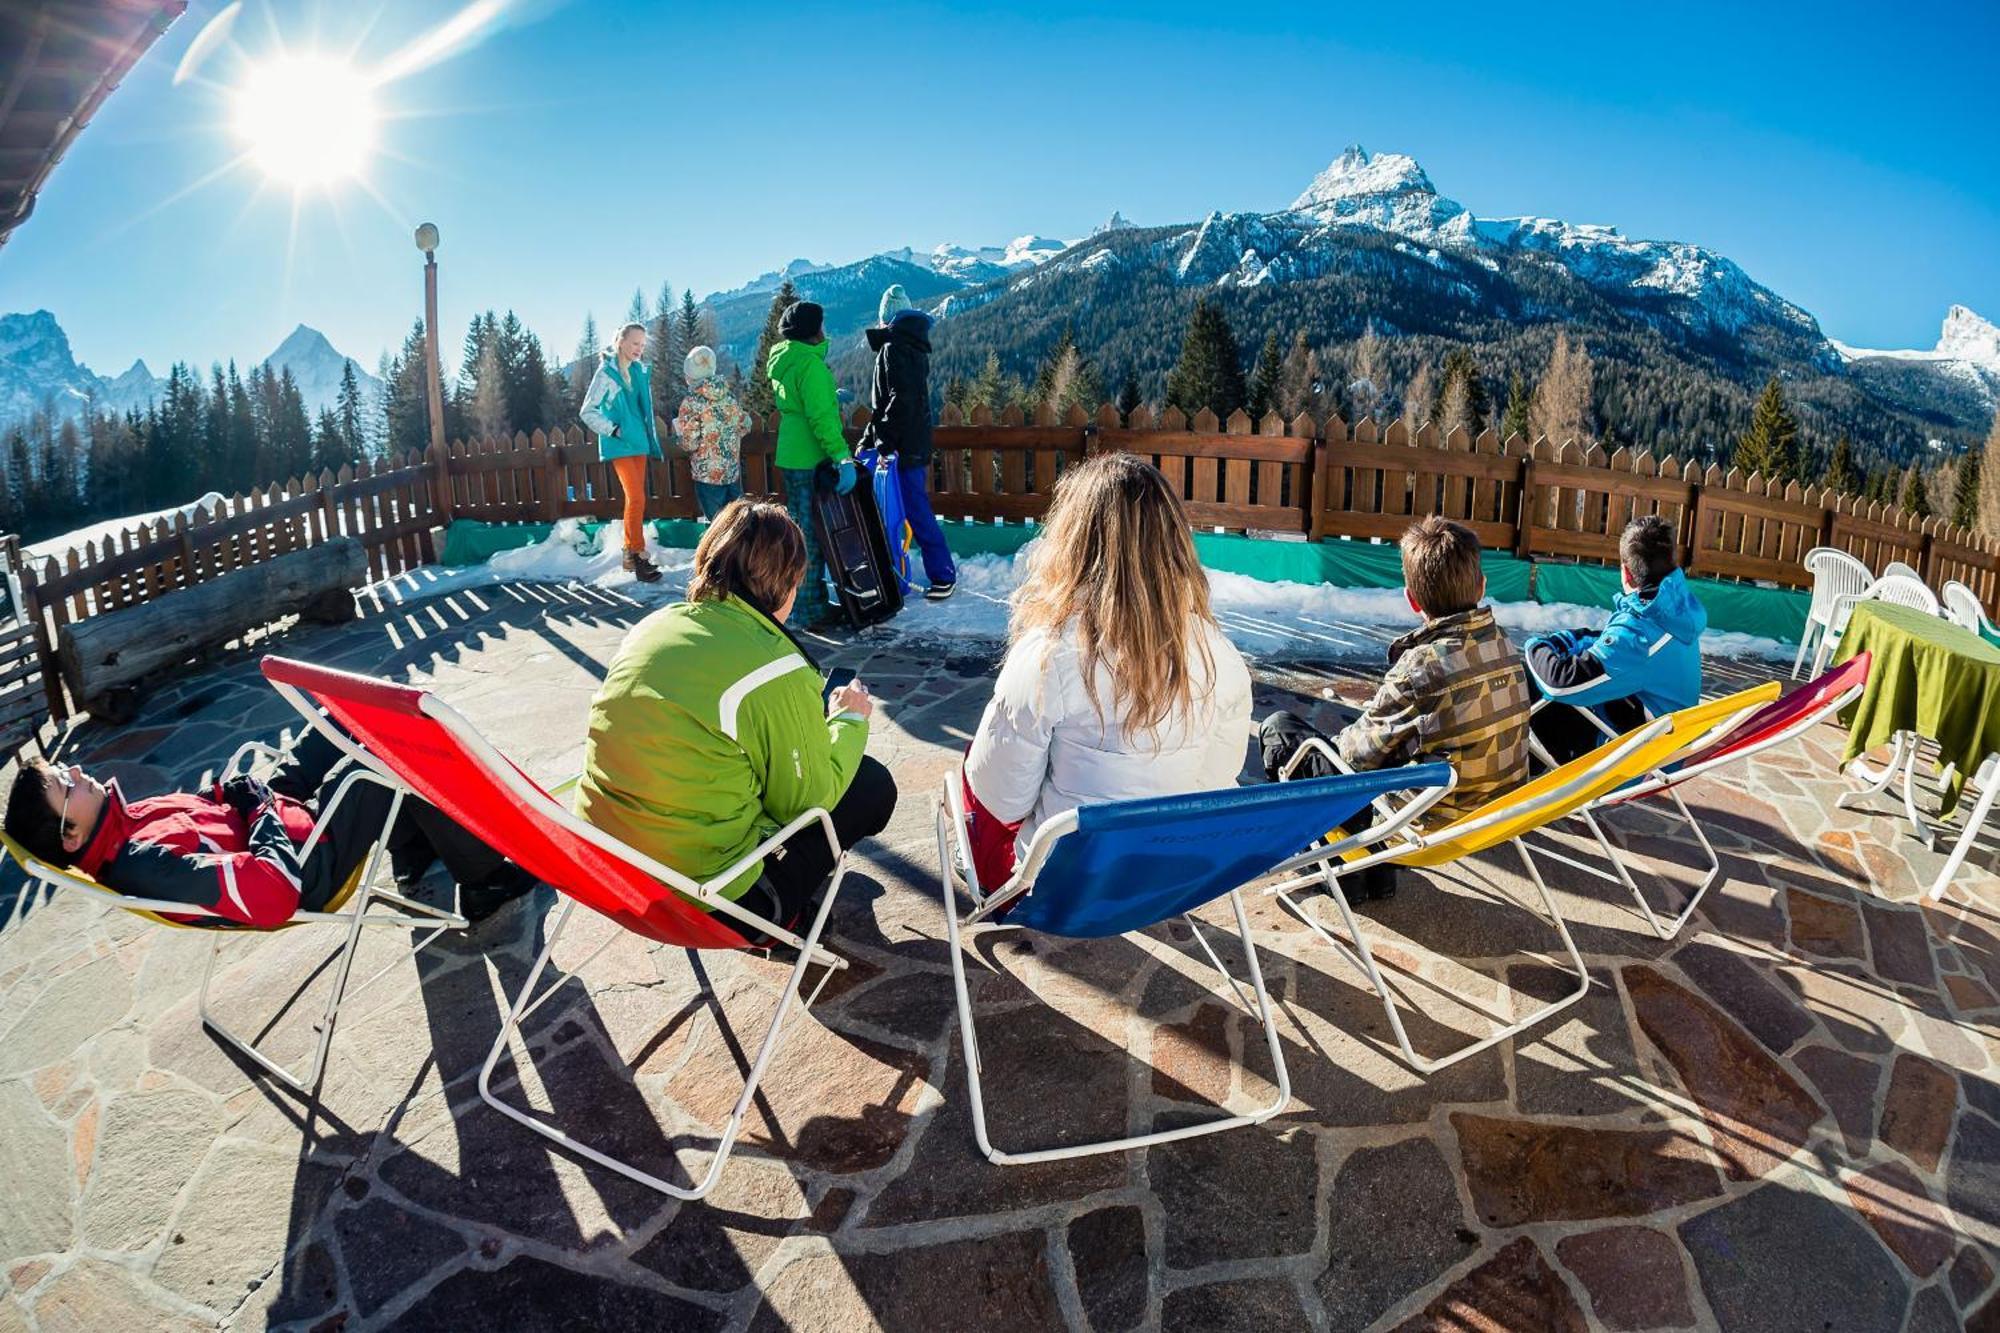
(710, 732)
(808, 433)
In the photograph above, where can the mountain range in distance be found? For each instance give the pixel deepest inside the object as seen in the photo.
(1370, 240)
(37, 369)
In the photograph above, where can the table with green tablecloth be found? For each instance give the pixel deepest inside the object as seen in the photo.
(1929, 678)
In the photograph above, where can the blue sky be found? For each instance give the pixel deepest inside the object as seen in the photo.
(585, 148)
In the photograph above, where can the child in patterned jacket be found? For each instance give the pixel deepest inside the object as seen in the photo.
(710, 426)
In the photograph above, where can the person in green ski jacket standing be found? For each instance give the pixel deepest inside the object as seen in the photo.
(808, 433)
(710, 733)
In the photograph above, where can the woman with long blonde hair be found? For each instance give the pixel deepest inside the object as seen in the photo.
(1118, 682)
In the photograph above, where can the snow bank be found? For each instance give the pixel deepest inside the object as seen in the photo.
(110, 527)
(1299, 621)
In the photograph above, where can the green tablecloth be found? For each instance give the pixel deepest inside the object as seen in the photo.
(1930, 677)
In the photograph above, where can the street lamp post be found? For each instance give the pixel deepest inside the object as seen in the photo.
(427, 241)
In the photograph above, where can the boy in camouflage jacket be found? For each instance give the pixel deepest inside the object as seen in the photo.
(1456, 690)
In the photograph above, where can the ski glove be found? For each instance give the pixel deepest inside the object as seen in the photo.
(845, 482)
(245, 795)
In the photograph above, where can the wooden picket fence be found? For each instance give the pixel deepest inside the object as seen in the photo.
(1298, 479)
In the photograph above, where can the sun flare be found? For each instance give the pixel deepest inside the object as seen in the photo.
(306, 120)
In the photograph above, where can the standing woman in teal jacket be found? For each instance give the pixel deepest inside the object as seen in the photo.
(618, 405)
(808, 433)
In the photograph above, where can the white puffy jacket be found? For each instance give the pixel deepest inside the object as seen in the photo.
(1041, 748)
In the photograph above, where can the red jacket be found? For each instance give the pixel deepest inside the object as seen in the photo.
(197, 850)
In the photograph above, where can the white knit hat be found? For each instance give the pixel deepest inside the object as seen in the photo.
(894, 298)
(700, 364)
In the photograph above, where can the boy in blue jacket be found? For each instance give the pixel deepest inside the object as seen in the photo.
(1644, 663)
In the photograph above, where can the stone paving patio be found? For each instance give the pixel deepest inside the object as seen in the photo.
(1786, 1120)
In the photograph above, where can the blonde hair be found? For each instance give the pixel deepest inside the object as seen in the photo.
(1116, 561)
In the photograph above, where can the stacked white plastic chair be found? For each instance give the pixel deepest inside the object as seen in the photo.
(1899, 586)
(1835, 574)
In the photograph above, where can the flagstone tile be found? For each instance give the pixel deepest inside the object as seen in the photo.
(1917, 1111)
(1521, 1172)
(1750, 1251)
(1513, 1292)
(1395, 1225)
(1632, 1275)
(1891, 1199)
(1758, 1112)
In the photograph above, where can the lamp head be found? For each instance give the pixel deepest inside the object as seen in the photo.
(427, 237)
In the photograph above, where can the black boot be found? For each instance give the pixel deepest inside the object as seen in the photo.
(483, 898)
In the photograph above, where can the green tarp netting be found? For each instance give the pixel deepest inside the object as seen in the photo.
(1773, 613)
(1770, 613)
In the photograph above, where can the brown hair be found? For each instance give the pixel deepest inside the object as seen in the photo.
(1441, 566)
(1116, 561)
(1646, 549)
(752, 550)
(29, 821)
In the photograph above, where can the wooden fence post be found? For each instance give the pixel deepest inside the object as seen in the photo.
(1525, 506)
(440, 487)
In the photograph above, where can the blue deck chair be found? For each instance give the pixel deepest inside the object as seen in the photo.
(1119, 867)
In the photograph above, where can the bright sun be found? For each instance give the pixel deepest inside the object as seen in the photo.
(306, 120)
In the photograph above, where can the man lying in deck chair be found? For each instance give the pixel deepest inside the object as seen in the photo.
(1646, 662)
(1455, 690)
(237, 855)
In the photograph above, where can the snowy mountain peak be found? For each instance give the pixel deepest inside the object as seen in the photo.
(302, 343)
(1359, 174)
(1967, 337)
(1116, 222)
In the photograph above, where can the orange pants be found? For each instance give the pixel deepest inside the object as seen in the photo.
(632, 480)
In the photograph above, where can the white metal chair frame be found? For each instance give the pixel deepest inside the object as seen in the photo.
(1409, 839)
(1835, 573)
(354, 914)
(1661, 782)
(1988, 782)
(707, 892)
(957, 871)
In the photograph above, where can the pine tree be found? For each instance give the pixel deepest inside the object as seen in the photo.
(1265, 381)
(1210, 371)
(1417, 402)
(291, 435)
(760, 400)
(347, 409)
(989, 387)
(486, 414)
(1771, 445)
(690, 323)
(1989, 482)
(1562, 409)
(1965, 493)
(1068, 379)
(329, 449)
(406, 415)
(1841, 477)
(1298, 379)
(1368, 387)
(589, 349)
(1915, 498)
(1514, 420)
(1128, 399)
(1465, 388)
(635, 313)
(666, 355)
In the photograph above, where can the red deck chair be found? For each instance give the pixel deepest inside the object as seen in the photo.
(415, 737)
(1751, 733)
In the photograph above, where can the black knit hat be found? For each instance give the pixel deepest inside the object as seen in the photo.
(803, 321)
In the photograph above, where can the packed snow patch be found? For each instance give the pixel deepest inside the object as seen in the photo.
(58, 547)
(1284, 621)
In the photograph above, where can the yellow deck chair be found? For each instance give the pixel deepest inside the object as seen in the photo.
(1703, 723)
(1506, 818)
(348, 907)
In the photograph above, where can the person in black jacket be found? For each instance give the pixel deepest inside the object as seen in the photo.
(901, 425)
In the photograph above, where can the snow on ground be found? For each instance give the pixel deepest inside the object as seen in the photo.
(96, 532)
(1272, 621)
